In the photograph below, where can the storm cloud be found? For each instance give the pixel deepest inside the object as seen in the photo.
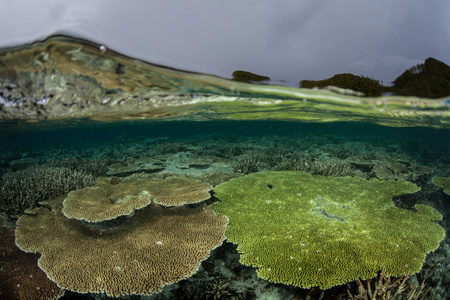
(286, 40)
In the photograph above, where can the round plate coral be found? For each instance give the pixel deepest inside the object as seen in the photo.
(306, 230)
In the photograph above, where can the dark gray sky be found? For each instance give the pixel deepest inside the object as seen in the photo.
(286, 40)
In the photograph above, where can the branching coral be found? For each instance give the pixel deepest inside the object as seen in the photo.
(249, 162)
(225, 150)
(388, 288)
(277, 159)
(24, 189)
(325, 167)
(91, 166)
(215, 290)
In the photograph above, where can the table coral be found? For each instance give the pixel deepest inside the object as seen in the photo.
(443, 182)
(154, 248)
(177, 190)
(106, 201)
(131, 166)
(111, 199)
(306, 230)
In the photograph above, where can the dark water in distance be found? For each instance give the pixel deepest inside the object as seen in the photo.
(97, 134)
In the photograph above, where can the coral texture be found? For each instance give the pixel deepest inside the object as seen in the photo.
(176, 191)
(130, 166)
(309, 230)
(154, 248)
(443, 182)
(106, 201)
(110, 199)
(25, 188)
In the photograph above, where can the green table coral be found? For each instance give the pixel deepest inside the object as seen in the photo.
(444, 183)
(306, 230)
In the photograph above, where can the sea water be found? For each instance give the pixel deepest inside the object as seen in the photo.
(66, 101)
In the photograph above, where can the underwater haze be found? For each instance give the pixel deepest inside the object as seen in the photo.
(81, 126)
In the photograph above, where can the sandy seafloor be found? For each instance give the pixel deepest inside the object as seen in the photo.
(215, 151)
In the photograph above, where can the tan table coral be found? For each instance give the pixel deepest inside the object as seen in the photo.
(110, 199)
(176, 191)
(154, 248)
(106, 201)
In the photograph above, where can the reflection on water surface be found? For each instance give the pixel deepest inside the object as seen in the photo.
(64, 78)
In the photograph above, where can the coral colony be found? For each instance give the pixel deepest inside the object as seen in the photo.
(120, 178)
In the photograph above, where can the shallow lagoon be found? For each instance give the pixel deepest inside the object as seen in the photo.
(164, 122)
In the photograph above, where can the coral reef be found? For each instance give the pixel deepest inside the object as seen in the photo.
(326, 167)
(110, 198)
(389, 289)
(106, 201)
(399, 170)
(166, 147)
(91, 166)
(249, 162)
(20, 276)
(390, 168)
(176, 191)
(306, 230)
(24, 189)
(208, 158)
(215, 178)
(216, 289)
(444, 183)
(288, 159)
(224, 150)
(154, 248)
(21, 164)
(131, 165)
(435, 271)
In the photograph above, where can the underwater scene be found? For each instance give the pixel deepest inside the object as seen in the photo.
(122, 179)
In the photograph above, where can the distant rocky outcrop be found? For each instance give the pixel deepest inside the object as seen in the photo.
(245, 76)
(430, 79)
(368, 86)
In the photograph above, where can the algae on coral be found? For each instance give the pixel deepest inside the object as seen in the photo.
(306, 230)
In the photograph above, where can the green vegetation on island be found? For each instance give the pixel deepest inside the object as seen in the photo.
(245, 76)
(430, 79)
(368, 86)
